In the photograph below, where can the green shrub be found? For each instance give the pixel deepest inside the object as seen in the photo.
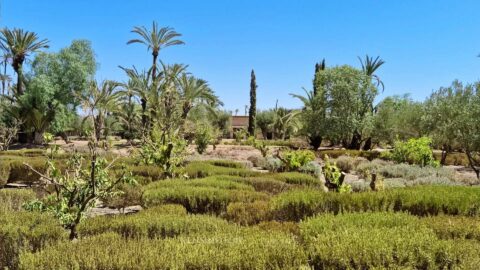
(379, 248)
(421, 201)
(454, 227)
(414, 151)
(166, 209)
(129, 195)
(247, 213)
(13, 199)
(273, 164)
(220, 182)
(294, 159)
(242, 249)
(262, 184)
(296, 178)
(198, 169)
(24, 153)
(21, 231)
(345, 163)
(19, 173)
(227, 163)
(201, 199)
(203, 136)
(413, 172)
(148, 171)
(364, 169)
(4, 172)
(286, 227)
(152, 224)
(370, 155)
(380, 241)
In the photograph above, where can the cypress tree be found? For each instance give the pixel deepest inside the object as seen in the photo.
(253, 105)
(318, 67)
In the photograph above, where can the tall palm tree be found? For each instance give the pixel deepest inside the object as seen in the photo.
(370, 65)
(155, 39)
(193, 92)
(20, 44)
(139, 85)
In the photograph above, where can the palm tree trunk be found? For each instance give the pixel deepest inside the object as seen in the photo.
(19, 72)
(154, 65)
(4, 76)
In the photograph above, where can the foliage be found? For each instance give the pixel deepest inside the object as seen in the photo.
(333, 177)
(200, 196)
(296, 178)
(203, 137)
(242, 249)
(420, 200)
(252, 113)
(77, 188)
(13, 200)
(294, 159)
(25, 232)
(198, 169)
(153, 223)
(247, 213)
(164, 150)
(388, 241)
(414, 151)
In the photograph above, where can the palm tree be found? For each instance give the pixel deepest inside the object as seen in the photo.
(20, 44)
(100, 100)
(156, 39)
(370, 65)
(139, 85)
(193, 92)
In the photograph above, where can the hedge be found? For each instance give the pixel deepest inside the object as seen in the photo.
(200, 169)
(21, 231)
(381, 241)
(421, 201)
(199, 199)
(153, 224)
(296, 178)
(13, 199)
(242, 249)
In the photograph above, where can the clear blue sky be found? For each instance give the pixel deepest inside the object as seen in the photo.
(426, 44)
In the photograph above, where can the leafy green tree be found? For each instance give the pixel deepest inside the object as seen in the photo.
(265, 121)
(349, 94)
(20, 44)
(440, 121)
(398, 117)
(414, 151)
(253, 105)
(78, 187)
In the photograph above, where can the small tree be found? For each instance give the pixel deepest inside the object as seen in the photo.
(253, 105)
(203, 137)
(77, 188)
(8, 134)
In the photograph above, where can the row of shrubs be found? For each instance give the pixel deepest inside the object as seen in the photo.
(382, 241)
(421, 201)
(238, 249)
(345, 241)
